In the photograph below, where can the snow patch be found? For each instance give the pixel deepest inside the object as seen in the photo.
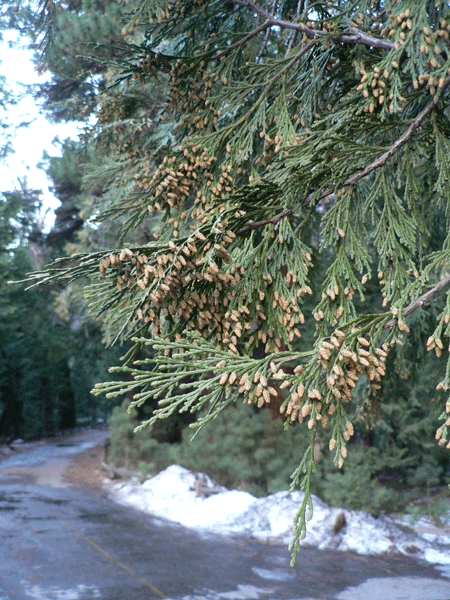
(197, 502)
(243, 592)
(80, 592)
(397, 588)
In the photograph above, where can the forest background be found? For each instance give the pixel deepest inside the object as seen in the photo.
(53, 350)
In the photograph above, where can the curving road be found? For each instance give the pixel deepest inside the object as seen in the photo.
(61, 542)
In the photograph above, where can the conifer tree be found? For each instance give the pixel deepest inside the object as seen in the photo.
(286, 158)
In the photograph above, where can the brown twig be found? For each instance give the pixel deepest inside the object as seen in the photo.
(422, 301)
(244, 40)
(351, 181)
(266, 37)
(382, 160)
(284, 70)
(354, 37)
(259, 224)
(399, 143)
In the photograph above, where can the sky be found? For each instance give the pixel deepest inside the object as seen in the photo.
(29, 142)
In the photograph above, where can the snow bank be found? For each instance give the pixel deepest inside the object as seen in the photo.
(195, 501)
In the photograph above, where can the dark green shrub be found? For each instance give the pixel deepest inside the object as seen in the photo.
(356, 486)
(136, 450)
(243, 448)
(246, 449)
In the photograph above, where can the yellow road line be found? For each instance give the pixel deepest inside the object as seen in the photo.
(114, 560)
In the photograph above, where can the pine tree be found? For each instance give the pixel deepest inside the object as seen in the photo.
(35, 392)
(297, 162)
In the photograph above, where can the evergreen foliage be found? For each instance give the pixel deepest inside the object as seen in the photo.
(279, 161)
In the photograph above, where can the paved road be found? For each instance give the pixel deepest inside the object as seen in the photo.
(63, 543)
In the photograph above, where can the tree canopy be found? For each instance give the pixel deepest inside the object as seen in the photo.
(280, 175)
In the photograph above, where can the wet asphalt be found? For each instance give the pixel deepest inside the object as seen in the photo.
(59, 542)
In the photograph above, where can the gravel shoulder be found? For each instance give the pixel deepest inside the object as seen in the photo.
(77, 466)
(85, 469)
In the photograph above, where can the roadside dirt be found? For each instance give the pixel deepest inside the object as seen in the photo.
(85, 469)
(81, 469)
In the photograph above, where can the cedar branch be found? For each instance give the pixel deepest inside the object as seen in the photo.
(422, 301)
(284, 70)
(259, 224)
(244, 40)
(379, 162)
(354, 37)
(382, 160)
